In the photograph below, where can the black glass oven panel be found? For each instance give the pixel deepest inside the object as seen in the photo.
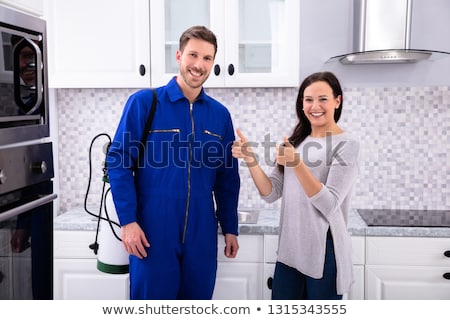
(21, 80)
(405, 218)
(26, 255)
(25, 195)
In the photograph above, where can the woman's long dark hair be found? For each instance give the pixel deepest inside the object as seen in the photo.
(303, 127)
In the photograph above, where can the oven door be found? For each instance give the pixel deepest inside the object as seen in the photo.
(26, 248)
(26, 222)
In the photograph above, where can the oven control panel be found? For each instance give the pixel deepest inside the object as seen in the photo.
(24, 166)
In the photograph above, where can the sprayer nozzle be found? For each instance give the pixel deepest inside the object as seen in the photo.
(94, 246)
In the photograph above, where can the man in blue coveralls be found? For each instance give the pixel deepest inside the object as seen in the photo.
(185, 184)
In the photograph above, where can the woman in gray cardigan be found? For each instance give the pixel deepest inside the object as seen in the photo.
(316, 170)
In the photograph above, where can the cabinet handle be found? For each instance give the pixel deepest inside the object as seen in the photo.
(216, 69)
(446, 275)
(269, 283)
(447, 253)
(230, 69)
(142, 70)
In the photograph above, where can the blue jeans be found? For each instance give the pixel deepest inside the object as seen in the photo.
(291, 284)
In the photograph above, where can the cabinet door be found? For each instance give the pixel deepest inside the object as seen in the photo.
(358, 257)
(238, 281)
(240, 278)
(269, 269)
(262, 43)
(358, 254)
(79, 279)
(258, 40)
(357, 290)
(169, 18)
(406, 282)
(35, 7)
(98, 44)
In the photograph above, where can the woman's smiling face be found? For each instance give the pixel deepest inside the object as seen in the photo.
(319, 105)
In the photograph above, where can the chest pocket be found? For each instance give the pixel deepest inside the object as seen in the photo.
(212, 134)
(212, 152)
(160, 147)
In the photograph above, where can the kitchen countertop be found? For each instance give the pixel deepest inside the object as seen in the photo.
(79, 219)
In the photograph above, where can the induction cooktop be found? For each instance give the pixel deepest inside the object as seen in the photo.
(405, 218)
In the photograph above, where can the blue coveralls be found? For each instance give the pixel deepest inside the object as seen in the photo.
(186, 183)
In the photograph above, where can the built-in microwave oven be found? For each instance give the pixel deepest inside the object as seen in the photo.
(23, 78)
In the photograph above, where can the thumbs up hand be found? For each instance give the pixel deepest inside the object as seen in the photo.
(286, 155)
(242, 149)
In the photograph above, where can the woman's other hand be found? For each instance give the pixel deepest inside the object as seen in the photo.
(286, 155)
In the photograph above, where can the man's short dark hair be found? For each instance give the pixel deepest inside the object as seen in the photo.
(198, 32)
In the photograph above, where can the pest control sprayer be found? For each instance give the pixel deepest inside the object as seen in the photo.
(111, 254)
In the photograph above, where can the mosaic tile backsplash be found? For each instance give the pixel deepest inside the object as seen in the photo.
(404, 134)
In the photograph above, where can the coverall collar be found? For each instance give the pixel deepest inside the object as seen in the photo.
(175, 93)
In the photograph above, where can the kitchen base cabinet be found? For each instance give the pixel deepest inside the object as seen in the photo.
(75, 274)
(357, 290)
(240, 278)
(407, 283)
(358, 256)
(269, 269)
(79, 279)
(270, 257)
(400, 268)
(238, 281)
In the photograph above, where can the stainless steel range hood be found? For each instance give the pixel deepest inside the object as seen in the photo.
(382, 33)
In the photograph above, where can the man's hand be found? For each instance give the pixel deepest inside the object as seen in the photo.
(134, 240)
(231, 245)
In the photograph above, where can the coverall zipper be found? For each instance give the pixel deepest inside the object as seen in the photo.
(165, 130)
(189, 173)
(212, 134)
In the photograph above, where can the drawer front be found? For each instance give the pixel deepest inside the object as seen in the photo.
(413, 251)
(73, 244)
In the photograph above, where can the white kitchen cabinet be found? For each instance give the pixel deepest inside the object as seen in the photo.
(358, 256)
(240, 278)
(34, 7)
(75, 270)
(401, 268)
(98, 44)
(258, 41)
(270, 257)
(79, 279)
(76, 275)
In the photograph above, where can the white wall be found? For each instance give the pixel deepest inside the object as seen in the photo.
(327, 31)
